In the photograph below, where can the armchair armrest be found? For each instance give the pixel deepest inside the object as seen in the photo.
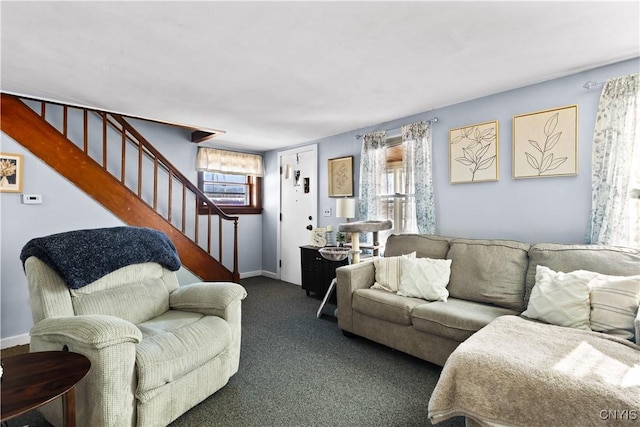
(222, 299)
(91, 331)
(110, 344)
(211, 298)
(350, 278)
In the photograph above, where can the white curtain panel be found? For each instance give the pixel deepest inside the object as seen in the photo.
(222, 161)
(419, 213)
(615, 173)
(373, 176)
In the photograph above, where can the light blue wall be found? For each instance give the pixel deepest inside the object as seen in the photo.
(530, 210)
(65, 208)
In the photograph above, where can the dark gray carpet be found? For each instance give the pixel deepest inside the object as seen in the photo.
(297, 370)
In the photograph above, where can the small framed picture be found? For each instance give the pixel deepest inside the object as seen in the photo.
(11, 173)
(341, 177)
(545, 143)
(473, 153)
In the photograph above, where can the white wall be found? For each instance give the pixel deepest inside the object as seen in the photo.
(66, 208)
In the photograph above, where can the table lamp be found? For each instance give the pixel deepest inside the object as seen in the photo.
(346, 208)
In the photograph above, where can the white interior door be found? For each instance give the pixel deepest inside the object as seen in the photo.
(298, 207)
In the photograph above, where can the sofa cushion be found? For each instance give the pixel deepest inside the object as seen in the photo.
(614, 305)
(425, 278)
(176, 343)
(560, 298)
(425, 246)
(388, 272)
(455, 319)
(385, 305)
(491, 271)
(613, 261)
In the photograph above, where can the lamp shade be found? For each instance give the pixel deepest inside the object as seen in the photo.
(346, 208)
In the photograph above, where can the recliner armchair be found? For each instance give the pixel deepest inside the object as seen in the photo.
(156, 349)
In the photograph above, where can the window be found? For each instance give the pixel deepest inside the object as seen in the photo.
(233, 181)
(412, 188)
(233, 193)
(395, 199)
(226, 189)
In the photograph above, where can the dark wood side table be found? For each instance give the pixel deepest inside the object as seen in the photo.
(317, 272)
(32, 379)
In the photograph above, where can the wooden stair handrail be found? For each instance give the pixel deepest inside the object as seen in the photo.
(200, 196)
(172, 169)
(25, 126)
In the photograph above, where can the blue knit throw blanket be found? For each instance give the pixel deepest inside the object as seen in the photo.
(83, 256)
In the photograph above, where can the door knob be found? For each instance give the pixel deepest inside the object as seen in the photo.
(309, 227)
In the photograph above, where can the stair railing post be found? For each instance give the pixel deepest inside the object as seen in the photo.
(236, 273)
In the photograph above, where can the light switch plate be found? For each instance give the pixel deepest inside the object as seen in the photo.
(326, 212)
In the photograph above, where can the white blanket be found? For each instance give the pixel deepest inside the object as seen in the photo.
(516, 372)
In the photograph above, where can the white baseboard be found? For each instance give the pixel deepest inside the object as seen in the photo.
(250, 274)
(270, 275)
(14, 341)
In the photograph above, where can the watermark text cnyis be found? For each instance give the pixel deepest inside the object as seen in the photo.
(619, 414)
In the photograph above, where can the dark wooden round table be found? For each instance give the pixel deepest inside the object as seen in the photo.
(32, 379)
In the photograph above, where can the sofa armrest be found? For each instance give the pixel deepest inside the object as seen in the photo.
(637, 324)
(91, 331)
(350, 278)
(210, 298)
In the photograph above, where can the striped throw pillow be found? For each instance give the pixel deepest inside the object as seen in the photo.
(388, 272)
(614, 305)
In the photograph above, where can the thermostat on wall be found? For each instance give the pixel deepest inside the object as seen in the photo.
(31, 199)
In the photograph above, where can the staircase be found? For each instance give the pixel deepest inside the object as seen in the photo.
(103, 155)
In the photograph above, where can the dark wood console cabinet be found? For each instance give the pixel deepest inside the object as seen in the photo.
(318, 272)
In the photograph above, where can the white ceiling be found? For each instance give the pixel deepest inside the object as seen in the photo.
(274, 74)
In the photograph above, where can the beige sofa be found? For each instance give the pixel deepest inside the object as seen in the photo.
(488, 279)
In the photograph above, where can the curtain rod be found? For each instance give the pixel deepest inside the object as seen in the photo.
(591, 84)
(431, 120)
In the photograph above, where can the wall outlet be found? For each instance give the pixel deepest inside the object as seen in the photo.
(326, 212)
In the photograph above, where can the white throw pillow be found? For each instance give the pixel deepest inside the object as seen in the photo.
(561, 298)
(425, 278)
(614, 304)
(388, 272)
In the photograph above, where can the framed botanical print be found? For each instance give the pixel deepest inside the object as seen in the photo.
(11, 172)
(340, 172)
(473, 153)
(545, 143)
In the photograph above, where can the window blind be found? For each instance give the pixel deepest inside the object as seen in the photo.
(222, 161)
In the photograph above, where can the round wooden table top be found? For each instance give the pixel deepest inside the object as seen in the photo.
(32, 379)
